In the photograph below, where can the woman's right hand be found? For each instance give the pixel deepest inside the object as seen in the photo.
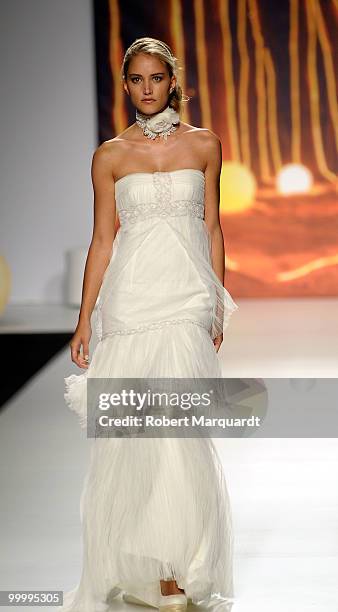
(80, 339)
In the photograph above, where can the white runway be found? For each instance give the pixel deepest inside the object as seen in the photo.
(284, 492)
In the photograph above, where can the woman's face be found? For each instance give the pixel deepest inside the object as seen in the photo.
(148, 79)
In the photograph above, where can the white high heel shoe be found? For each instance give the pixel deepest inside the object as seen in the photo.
(173, 603)
(135, 600)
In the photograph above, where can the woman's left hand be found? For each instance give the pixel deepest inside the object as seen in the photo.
(217, 342)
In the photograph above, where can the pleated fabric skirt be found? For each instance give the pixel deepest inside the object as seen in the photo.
(153, 508)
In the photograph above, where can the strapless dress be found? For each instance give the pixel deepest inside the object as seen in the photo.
(155, 508)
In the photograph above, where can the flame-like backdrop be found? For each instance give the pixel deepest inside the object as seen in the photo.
(261, 75)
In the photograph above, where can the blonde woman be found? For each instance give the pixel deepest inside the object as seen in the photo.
(155, 512)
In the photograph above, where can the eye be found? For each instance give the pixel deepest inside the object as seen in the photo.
(136, 79)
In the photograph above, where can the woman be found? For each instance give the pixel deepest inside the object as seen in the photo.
(155, 512)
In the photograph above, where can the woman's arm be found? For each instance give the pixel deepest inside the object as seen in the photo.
(100, 248)
(212, 194)
(213, 149)
(103, 230)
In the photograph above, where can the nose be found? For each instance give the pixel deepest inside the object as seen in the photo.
(146, 88)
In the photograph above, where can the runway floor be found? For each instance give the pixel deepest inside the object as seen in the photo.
(284, 492)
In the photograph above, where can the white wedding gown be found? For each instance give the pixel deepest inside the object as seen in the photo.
(155, 508)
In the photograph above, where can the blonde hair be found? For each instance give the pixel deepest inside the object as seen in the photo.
(159, 49)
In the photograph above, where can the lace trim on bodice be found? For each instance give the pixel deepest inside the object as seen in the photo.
(146, 210)
(164, 204)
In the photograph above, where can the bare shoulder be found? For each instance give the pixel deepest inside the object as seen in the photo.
(110, 153)
(103, 151)
(208, 141)
(204, 134)
(101, 158)
(113, 145)
(213, 152)
(212, 147)
(122, 140)
(209, 138)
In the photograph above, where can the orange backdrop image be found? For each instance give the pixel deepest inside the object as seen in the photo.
(262, 75)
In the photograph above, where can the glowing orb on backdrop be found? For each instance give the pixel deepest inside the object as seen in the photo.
(237, 187)
(294, 178)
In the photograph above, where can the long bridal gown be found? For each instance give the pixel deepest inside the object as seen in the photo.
(155, 508)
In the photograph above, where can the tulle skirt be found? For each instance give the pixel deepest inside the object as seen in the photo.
(156, 508)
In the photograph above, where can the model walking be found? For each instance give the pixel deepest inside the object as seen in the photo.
(155, 512)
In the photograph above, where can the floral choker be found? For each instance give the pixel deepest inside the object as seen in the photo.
(161, 124)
